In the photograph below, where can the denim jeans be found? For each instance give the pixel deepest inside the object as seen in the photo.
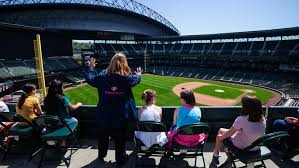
(281, 125)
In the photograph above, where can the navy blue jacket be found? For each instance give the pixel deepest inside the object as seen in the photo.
(116, 102)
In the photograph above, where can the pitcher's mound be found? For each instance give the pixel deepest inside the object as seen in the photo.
(203, 98)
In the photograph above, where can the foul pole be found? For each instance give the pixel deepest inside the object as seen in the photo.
(39, 66)
(145, 61)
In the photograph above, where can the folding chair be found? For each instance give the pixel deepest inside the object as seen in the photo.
(291, 149)
(53, 129)
(16, 130)
(250, 157)
(193, 151)
(154, 150)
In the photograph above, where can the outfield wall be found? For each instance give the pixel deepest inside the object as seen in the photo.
(215, 116)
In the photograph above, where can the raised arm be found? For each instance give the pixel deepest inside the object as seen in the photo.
(92, 77)
(135, 79)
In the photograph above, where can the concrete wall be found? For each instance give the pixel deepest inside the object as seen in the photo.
(216, 117)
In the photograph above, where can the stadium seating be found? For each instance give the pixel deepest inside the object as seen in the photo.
(18, 68)
(11, 69)
(4, 72)
(69, 63)
(75, 77)
(266, 51)
(270, 80)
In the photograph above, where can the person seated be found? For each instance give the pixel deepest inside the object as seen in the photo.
(187, 114)
(57, 104)
(4, 108)
(150, 112)
(4, 137)
(28, 105)
(286, 124)
(247, 128)
(291, 125)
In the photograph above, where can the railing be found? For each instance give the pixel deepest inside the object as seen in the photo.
(128, 5)
(215, 116)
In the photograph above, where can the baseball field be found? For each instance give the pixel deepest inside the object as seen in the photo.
(207, 93)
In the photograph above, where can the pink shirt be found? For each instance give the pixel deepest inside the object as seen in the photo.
(248, 132)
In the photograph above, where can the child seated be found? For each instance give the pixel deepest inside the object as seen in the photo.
(187, 114)
(150, 112)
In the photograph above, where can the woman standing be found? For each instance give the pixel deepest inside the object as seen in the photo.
(116, 103)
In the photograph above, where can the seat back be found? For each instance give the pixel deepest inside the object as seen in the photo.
(48, 121)
(151, 126)
(193, 129)
(269, 140)
(11, 117)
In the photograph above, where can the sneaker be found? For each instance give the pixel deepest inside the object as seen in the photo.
(51, 143)
(215, 162)
(287, 156)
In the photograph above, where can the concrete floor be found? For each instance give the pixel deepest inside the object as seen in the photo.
(85, 157)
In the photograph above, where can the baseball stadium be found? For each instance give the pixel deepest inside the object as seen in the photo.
(39, 42)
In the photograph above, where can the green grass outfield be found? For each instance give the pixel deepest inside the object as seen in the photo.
(163, 86)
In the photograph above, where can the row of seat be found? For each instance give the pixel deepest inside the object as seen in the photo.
(234, 154)
(20, 68)
(253, 48)
(76, 77)
(51, 128)
(279, 81)
(58, 133)
(46, 128)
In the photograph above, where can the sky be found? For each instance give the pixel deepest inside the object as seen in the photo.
(222, 16)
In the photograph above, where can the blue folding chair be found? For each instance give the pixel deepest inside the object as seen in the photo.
(53, 129)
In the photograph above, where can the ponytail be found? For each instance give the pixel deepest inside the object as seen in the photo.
(22, 100)
(148, 95)
(27, 89)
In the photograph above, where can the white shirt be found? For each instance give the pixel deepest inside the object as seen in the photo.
(248, 132)
(151, 113)
(3, 107)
